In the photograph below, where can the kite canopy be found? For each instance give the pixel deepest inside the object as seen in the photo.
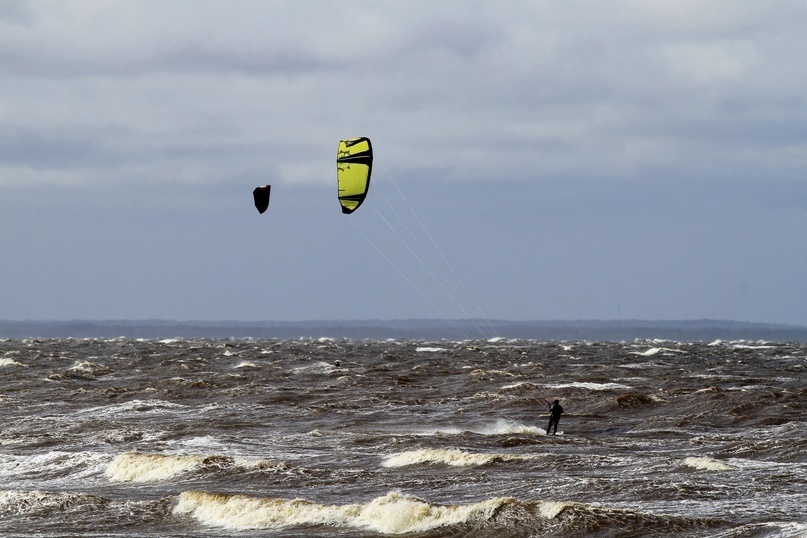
(354, 164)
(261, 196)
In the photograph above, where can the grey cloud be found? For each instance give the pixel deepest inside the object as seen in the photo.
(16, 12)
(573, 144)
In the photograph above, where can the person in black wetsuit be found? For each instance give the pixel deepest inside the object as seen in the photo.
(554, 416)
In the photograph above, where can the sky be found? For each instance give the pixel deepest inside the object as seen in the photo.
(534, 159)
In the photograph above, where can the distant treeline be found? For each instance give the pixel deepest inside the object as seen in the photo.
(426, 329)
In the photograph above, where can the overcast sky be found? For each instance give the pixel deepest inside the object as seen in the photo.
(533, 159)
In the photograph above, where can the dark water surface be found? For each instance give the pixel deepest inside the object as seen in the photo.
(223, 437)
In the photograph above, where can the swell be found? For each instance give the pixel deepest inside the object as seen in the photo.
(397, 513)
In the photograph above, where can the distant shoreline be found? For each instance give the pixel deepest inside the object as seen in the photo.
(423, 329)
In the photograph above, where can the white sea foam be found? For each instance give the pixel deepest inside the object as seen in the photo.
(550, 510)
(656, 350)
(479, 372)
(139, 407)
(9, 362)
(16, 502)
(142, 467)
(708, 464)
(87, 367)
(83, 366)
(753, 346)
(650, 352)
(319, 366)
(136, 467)
(50, 464)
(394, 513)
(500, 427)
(525, 384)
(589, 386)
(200, 444)
(454, 458)
(429, 349)
(508, 427)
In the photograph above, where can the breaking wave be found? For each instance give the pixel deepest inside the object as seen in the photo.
(708, 464)
(398, 513)
(454, 458)
(394, 513)
(136, 467)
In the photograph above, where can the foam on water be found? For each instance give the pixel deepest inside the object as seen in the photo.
(520, 385)
(499, 427)
(137, 407)
(394, 513)
(589, 386)
(52, 465)
(15, 502)
(140, 467)
(454, 458)
(317, 367)
(134, 467)
(708, 464)
(650, 352)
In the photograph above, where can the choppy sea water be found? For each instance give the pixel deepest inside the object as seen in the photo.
(325, 437)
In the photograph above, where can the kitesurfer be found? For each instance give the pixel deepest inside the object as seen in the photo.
(554, 417)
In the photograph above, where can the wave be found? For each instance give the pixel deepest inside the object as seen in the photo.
(635, 399)
(90, 368)
(452, 457)
(394, 513)
(316, 368)
(139, 467)
(51, 465)
(589, 386)
(708, 464)
(399, 513)
(137, 408)
(483, 374)
(48, 513)
(656, 350)
(499, 427)
(41, 503)
(133, 467)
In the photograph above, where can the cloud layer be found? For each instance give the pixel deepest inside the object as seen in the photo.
(569, 127)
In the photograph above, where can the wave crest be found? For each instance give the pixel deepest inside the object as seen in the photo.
(454, 458)
(394, 513)
(708, 464)
(139, 467)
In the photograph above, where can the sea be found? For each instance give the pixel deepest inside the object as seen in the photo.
(329, 437)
